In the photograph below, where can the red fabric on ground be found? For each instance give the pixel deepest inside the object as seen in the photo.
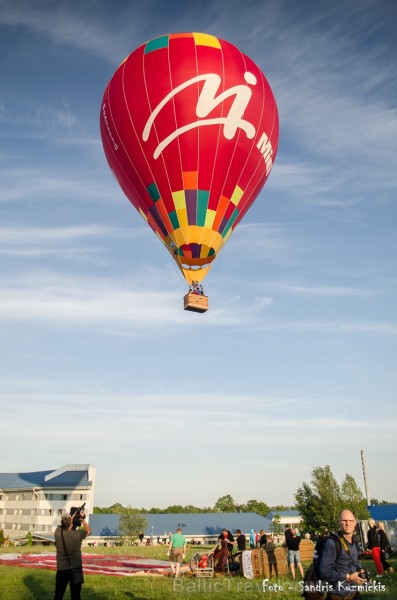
(93, 564)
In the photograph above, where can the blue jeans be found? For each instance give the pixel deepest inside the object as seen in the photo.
(294, 557)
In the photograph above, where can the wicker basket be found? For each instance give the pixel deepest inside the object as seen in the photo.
(269, 562)
(306, 550)
(195, 303)
(274, 561)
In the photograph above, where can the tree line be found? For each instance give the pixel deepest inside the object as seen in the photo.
(223, 504)
(318, 502)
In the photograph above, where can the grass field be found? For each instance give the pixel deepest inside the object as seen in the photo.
(17, 583)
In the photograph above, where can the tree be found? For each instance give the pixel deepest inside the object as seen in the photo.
(305, 504)
(2, 538)
(281, 508)
(320, 503)
(276, 526)
(175, 509)
(131, 524)
(225, 504)
(114, 509)
(258, 507)
(353, 498)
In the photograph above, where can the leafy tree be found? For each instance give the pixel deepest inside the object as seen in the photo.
(131, 524)
(260, 508)
(320, 503)
(281, 508)
(2, 538)
(353, 498)
(225, 504)
(175, 509)
(115, 509)
(276, 526)
(305, 503)
(189, 508)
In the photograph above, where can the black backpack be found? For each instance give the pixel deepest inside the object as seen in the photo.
(311, 585)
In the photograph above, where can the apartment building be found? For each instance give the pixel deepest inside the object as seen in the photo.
(34, 502)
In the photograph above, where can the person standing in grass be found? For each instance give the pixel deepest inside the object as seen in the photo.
(385, 547)
(177, 551)
(68, 545)
(374, 546)
(292, 541)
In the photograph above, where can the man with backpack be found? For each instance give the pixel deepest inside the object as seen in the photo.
(340, 570)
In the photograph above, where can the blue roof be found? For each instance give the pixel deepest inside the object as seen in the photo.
(37, 479)
(383, 512)
(191, 524)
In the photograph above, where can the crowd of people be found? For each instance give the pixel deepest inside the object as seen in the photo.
(339, 567)
(338, 564)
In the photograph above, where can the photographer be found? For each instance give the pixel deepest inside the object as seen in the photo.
(342, 571)
(68, 538)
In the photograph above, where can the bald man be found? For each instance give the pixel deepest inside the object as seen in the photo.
(340, 571)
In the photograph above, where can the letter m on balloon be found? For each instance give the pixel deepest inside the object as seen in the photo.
(266, 149)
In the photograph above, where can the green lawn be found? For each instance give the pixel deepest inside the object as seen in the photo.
(17, 583)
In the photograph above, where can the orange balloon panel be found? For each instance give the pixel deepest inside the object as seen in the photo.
(189, 126)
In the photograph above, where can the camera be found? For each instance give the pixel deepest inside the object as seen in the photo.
(78, 515)
(365, 574)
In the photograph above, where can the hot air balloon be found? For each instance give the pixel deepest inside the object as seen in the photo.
(189, 126)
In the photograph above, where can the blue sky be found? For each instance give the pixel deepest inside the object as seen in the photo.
(294, 365)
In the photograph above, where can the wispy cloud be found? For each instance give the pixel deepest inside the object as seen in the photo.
(65, 299)
(327, 290)
(19, 183)
(65, 24)
(50, 297)
(15, 236)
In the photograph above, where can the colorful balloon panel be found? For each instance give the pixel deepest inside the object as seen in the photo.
(189, 126)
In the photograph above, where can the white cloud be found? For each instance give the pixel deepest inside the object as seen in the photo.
(326, 290)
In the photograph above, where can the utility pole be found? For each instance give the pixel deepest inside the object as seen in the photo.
(365, 478)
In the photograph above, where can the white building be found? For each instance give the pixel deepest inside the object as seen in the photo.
(34, 502)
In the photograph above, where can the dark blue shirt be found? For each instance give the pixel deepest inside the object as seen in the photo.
(333, 568)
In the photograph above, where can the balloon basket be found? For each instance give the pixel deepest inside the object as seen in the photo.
(195, 302)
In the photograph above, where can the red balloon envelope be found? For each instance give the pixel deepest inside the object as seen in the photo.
(189, 126)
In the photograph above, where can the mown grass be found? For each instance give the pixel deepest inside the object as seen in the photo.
(17, 583)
